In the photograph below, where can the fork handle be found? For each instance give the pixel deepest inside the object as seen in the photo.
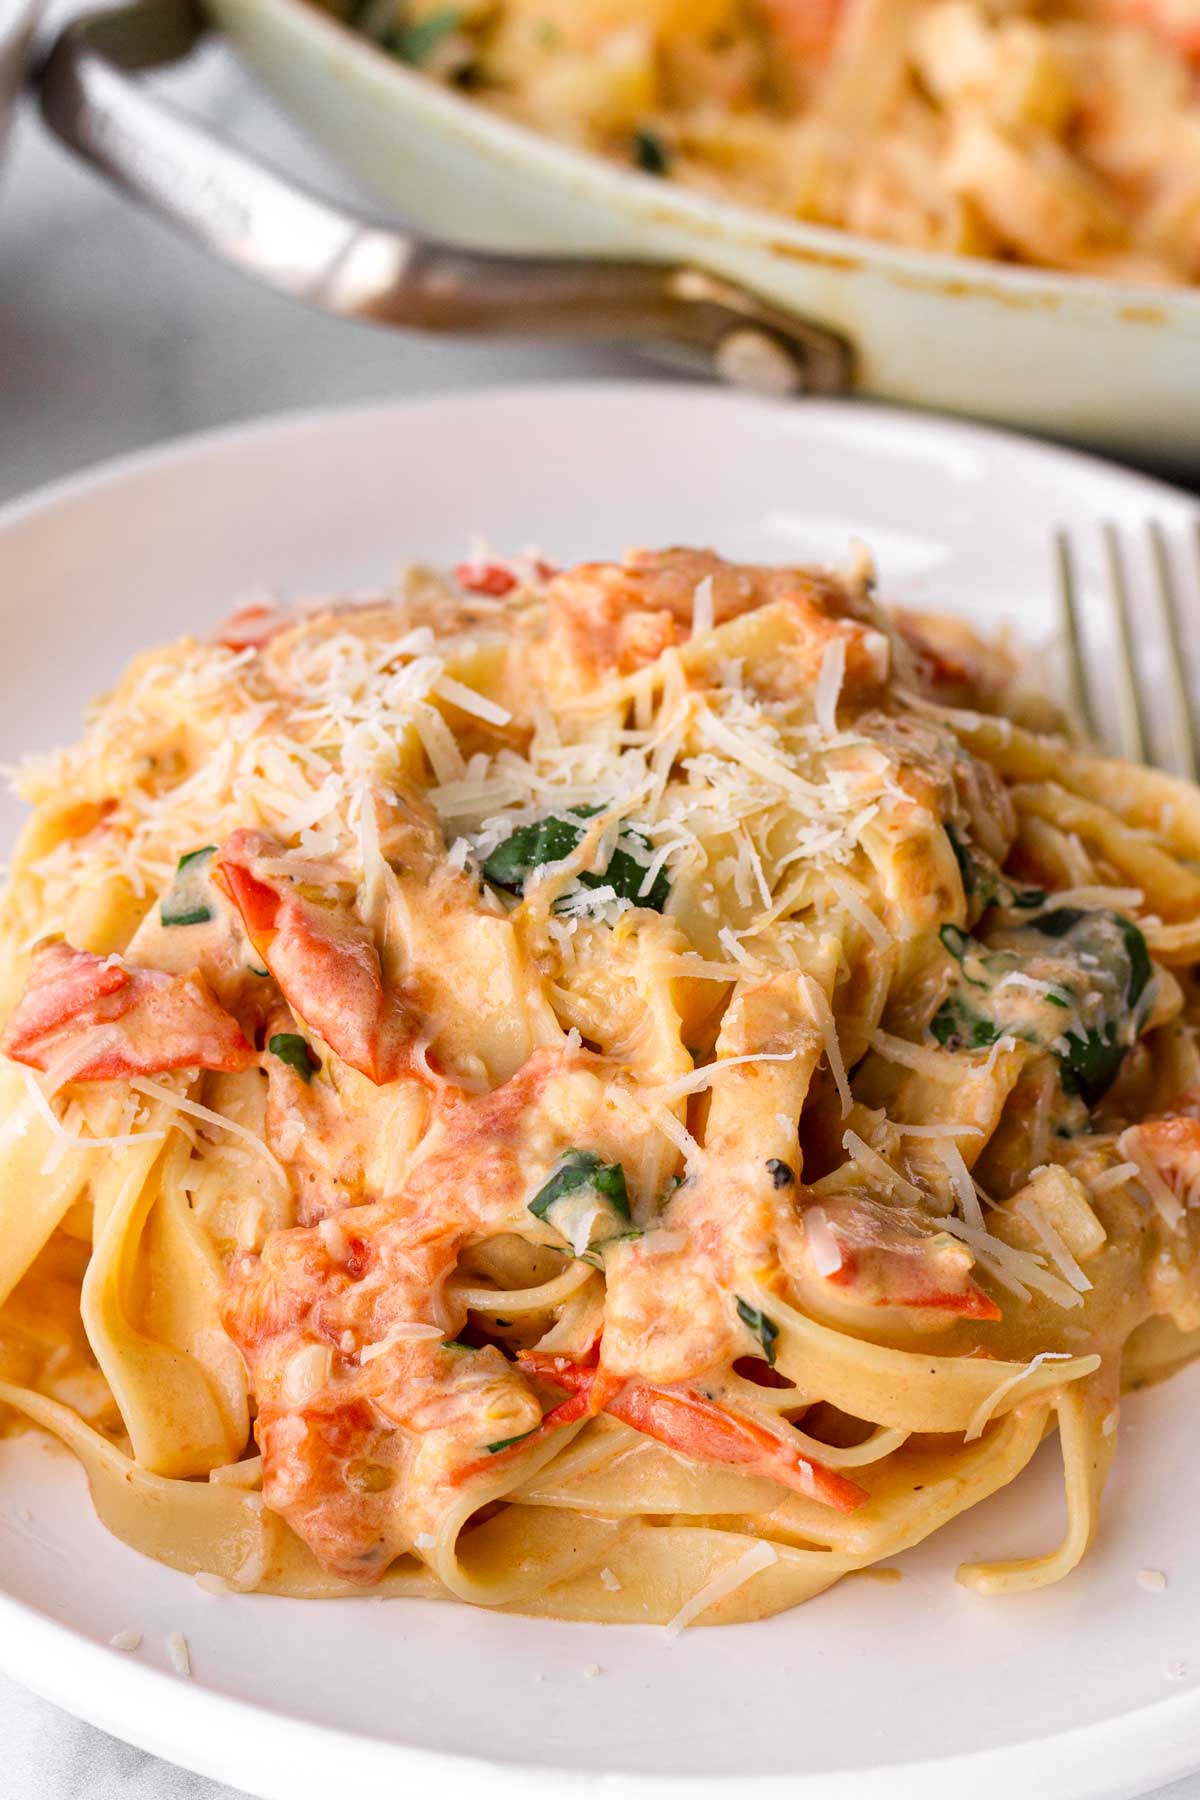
(256, 219)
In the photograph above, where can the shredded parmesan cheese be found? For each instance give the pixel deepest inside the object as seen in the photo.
(1113, 1178)
(468, 701)
(1167, 1204)
(207, 1116)
(986, 1408)
(1020, 1271)
(1052, 1242)
(823, 1245)
(923, 1059)
(823, 1019)
(74, 1140)
(851, 897)
(963, 1185)
(876, 1165)
(670, 1091)
(751, 1563)
(829, 685)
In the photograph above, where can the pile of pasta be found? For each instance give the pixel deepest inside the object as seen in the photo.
(1057, 132)
(624, 1093)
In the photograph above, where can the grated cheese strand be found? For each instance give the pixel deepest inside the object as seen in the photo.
(751, 1563)
(862, 1153)
(828, 689)
(987, 1407)
(963, 1185)
(825, 1249)
(178, 1653)
(823, 1019)
(207, 1116)
(75, 1140)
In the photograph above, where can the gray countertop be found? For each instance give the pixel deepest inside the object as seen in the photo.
(114, 336)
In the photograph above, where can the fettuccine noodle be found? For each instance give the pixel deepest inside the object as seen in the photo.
(625, 1093)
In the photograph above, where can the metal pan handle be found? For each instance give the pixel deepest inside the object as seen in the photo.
(256, 219)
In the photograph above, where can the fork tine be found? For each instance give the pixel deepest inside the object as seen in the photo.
(1131, 722)
(1078, 688)
(1183, 736)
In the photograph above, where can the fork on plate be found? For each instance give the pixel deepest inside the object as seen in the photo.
(1148, 725)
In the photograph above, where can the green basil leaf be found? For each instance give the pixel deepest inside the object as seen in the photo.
(196, 915)
(583, 1169)
(764, 1328)
(963, 857)
(415, 42)
(957, 1025)
(983, 883)
(193, 856)
(552, 840)
(507, 1443)
(188, 900)
(650, 153)
(296, 1052)
(955, 941)
(1088, 962)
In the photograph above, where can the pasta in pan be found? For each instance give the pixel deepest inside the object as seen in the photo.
(623, 1093)
(1064, 133)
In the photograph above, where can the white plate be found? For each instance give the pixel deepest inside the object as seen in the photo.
(873, 1690)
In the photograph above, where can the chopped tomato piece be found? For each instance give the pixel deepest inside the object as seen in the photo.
(322, 955)
(252, 626)
(589, 1388)
(143, 1021)
(1171, 1146)
(497, 578)
(485, 578)
(698, 1428)
(970, 1301)
(883, 1256)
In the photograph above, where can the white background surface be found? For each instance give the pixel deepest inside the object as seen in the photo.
(113, 336)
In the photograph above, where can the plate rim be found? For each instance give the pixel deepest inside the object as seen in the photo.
(171, 452)
(1156, 1743)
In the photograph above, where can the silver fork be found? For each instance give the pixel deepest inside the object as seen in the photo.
(1133, 737)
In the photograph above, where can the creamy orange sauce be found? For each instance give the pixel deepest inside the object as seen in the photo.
(663, 1136)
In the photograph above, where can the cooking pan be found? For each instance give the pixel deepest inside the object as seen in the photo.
(573, 244)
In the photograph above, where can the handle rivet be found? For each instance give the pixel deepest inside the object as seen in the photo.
(749, 358)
